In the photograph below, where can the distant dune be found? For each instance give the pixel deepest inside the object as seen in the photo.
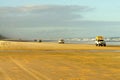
(2, 37)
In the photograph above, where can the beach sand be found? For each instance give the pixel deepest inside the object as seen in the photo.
(53, 61)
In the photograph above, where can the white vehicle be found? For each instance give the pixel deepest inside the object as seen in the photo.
(61, 41)
(100, 41)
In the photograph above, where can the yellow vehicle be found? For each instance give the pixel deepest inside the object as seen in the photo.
(100, 41)
(99, 38)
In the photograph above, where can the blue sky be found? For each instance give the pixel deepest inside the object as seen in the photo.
(25, 16)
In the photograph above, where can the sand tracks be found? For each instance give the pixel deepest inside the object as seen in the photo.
(35, 74)
(14, 70)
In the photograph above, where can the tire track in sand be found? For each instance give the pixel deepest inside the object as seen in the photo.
(33, 73)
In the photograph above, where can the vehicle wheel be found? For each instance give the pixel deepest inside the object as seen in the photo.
(104, 44)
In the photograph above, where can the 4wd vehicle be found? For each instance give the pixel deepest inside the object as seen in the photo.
(61, 41)
(100, 41)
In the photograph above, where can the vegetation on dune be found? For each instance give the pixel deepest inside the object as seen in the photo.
(2, 37)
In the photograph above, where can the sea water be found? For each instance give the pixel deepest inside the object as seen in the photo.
(71, 34)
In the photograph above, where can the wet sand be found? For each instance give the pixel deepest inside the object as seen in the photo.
(52, 61)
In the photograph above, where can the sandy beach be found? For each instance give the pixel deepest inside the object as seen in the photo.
(53, 61)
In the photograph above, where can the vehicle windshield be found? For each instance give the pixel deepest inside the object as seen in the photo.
(100, 40)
